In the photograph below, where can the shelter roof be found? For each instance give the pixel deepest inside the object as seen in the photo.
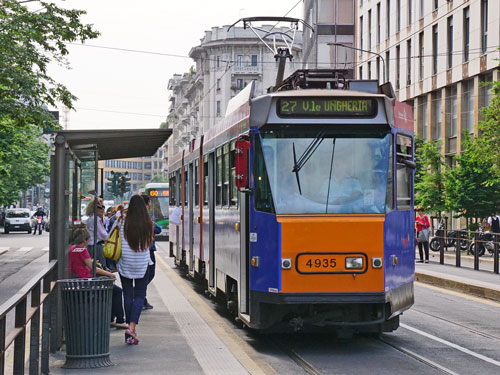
(114, 144)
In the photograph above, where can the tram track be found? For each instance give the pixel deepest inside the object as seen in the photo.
(308, 367)
(417, 357)
(472, 330)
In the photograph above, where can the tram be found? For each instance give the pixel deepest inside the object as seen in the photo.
(298, 206)
(159, 196)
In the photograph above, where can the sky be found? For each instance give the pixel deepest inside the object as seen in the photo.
(119, 89)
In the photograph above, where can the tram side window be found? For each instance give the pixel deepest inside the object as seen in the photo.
(233, 198)
(263, 195)
(218, 183)
(205, 180)
(173, 189)
(404, 174)
(225, 177)
(196, 183)
(389, 193)
(186, 203)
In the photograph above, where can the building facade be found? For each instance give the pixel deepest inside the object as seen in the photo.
(437, 55)
(225, 62)
(333, 21)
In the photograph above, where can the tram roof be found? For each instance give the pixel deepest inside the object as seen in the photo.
(325, 92)
(115, 144)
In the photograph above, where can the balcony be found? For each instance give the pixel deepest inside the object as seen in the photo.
(246, 69)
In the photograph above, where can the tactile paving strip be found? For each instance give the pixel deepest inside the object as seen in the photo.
(211, 353)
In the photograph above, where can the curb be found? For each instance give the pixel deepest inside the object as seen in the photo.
(3, 251)
(470, 287)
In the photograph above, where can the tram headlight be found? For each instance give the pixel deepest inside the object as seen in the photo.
(354, 263)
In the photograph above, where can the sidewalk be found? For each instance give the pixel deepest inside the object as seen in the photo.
(485, 284)
(175, 337)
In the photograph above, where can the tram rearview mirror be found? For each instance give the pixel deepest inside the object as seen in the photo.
(241, 163)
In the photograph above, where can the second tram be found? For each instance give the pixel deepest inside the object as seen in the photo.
(159, 195)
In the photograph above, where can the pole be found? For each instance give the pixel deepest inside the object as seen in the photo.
(362, 50)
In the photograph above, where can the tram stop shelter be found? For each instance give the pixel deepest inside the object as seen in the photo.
(75, 174)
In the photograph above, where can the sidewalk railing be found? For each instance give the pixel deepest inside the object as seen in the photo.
(461, 241)
(39, 291)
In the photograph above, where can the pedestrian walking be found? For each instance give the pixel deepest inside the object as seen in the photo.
(80, 266)
(95, 246)
(494, 222)
(136, 232)
(423, 225)
(152, 250)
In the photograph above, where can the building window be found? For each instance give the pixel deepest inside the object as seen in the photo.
(361, 33)
(437, 116)
(484, 26)
(421, 56)
(408, 62)
(326, 12)
(360, 72)
(378, 23)
(218, 83)
(388, 17)
(398, 63)
(217, 59)
(398, 15)
(435, 42)
(421, 10)
(370, 29)
(410, 12)
(239, 83)
(450, 42)
(254, 60)
(378, 68)
(345, 12)
(369, 70)
(466, 34)
(435, 5)
(387, 65)
(147, 165)
(423, 115)
(239, 61)
(452, 103)
(468, 104)
(217, 110)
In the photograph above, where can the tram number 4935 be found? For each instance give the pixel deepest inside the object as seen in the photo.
(321, 263)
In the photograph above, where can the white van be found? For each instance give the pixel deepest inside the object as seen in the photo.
(18, 220)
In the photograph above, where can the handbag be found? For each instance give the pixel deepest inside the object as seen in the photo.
(423, 235)
(113, 246)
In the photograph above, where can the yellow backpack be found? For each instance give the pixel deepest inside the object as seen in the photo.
(113, 246)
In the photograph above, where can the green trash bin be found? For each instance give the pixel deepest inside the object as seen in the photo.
(86, 316)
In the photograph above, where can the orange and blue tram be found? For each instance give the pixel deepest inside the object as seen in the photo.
(298, 208)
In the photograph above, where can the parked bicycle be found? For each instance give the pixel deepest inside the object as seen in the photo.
(450, 240)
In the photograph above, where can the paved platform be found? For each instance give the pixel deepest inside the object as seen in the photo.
(176, 337)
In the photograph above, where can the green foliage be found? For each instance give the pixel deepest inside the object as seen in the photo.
(469, 191)
(429, 188)
(159, 178)
(164, 125)
(24, 160)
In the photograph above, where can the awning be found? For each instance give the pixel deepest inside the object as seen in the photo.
(115, 144)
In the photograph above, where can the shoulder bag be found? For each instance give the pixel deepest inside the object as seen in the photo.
(113, 246)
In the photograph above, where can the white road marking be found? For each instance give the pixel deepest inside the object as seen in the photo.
(25, 248)
(452, 345)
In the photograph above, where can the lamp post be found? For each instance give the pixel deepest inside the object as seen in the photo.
(362, 50)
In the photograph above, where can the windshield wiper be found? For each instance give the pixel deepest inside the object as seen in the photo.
(306, 155)
(330, 177)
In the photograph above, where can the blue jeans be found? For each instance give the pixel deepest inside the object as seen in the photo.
(134, 292)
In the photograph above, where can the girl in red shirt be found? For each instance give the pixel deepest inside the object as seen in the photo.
(422, 222)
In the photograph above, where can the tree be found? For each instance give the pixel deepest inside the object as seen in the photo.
(29, 41)
(429, 189)
(469, 190)
(24, 160)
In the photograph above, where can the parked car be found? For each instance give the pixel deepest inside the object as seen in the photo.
(18, 220)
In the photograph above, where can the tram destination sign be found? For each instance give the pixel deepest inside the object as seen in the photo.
(326, 107)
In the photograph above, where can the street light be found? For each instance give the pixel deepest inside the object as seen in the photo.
(360, 49)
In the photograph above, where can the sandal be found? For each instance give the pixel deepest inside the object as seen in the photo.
(131, 337)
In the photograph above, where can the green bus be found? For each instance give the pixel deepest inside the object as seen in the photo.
(159, 195)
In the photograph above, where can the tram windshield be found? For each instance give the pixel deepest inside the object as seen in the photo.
(326, 171)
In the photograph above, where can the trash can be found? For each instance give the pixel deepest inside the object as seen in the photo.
(86, 315)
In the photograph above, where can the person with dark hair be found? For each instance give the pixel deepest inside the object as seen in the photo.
(80, 266)
(152, 249)
(136, 231)
(423, 225)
